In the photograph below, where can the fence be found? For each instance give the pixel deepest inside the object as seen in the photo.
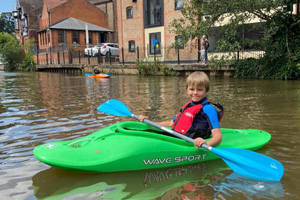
(66, 55)
(186, 54)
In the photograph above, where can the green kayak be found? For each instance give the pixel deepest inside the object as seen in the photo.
(132, 145)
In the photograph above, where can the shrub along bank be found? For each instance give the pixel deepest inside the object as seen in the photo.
(282, 52)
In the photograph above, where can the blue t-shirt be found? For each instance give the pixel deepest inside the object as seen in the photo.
(207, 118)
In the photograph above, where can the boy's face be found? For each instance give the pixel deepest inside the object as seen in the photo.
(195, 93)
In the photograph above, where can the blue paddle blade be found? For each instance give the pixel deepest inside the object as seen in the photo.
(251, 164)
(108, 73)
(88, 74)
(115, 107)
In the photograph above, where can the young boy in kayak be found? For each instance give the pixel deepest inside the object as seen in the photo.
(197, 119)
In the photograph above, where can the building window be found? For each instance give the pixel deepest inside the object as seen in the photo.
(62, 37)
(153, 13)
(75, 37)
(90, 38)
(102, 37)
(179, 4)
(131, 46)
(43, 38)
(129, 13)
(155, 43)
(178, 42)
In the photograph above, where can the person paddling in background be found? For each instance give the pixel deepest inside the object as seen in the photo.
(96, 70)
(197, 119)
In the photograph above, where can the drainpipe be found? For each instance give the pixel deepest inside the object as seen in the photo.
(86, 35)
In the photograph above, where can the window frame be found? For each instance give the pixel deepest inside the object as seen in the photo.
(154, 13)
(129, 10)
(179, 37)
(74, 36)
(61, 37)
(176, 2)
(131, 42)
(90, 38)
(157, 36)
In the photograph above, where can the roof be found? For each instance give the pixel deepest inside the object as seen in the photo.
(54, 3)
(76, 24)
(30, 6)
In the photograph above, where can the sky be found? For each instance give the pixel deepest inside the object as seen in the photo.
(7, 5)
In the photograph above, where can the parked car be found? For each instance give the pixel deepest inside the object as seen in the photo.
(110, 48)
(93, 51)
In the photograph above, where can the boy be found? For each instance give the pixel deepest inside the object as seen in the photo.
(197, 119)
(96, 70)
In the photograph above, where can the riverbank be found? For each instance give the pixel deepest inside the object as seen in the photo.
(133, 69)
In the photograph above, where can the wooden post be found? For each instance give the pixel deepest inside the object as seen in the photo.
(123, 55)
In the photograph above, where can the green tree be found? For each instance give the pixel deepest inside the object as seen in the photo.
(11, 51)
(203, 16)
(7, 23)
(28, 63)
(223, 17)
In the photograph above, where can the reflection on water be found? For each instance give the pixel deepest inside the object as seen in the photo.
(147, 184)
(36, 108)
(235, 184)
(200, 181)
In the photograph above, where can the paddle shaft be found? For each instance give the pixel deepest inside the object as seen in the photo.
(205, 146)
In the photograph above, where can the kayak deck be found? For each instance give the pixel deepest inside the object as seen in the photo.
(135, 146)
(102, 75)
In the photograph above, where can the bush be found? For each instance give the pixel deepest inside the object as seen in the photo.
(282, 52)
(11, 51)
(249, 68)
(282, 44)
(147, 67)
(28, 63)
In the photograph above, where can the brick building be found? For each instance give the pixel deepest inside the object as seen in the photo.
(65, 23)
(145, 24)
(26, 19)
(110, 8)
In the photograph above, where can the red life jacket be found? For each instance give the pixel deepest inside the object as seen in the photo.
(185, 117)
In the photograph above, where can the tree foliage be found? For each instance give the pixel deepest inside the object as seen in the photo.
(222, 17)
(28, 63)
(11, 51)
(6, 22)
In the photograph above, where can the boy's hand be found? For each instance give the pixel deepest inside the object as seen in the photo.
(142, 117)
(198, 142)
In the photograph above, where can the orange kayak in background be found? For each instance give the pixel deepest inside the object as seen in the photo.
(102, 75)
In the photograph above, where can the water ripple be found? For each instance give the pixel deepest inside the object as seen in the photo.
(37, 108)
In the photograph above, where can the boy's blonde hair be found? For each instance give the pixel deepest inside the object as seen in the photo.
(198, 79)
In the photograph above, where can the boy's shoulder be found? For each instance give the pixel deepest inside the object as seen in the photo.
(209, 108)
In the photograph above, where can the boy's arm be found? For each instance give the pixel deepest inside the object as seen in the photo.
(215, 140)
(166, 123)
(163, 123)
(216, 137)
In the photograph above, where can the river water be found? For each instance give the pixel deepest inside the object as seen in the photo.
(37, 108)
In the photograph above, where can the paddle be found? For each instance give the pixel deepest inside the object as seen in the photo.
(246, 163)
